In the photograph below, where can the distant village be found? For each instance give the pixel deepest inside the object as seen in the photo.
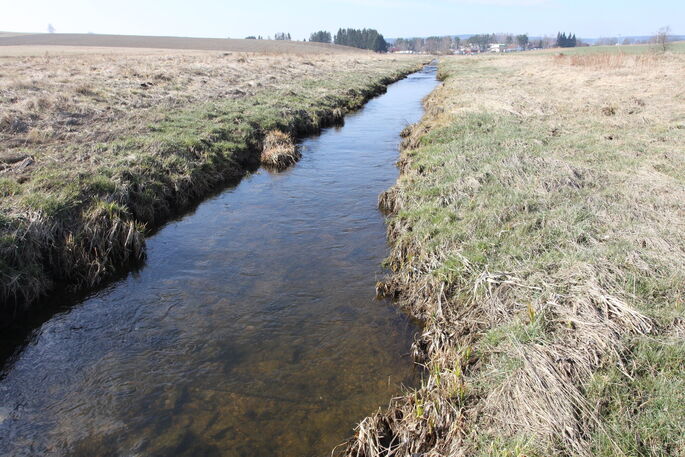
(373, 40)
(471, 48)
(492, 43)
(477, 44)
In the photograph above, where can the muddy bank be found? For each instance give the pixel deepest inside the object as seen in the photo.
(77, 232)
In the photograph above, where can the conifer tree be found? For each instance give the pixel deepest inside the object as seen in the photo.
(564, 41)
(363, 39)
(320, 37)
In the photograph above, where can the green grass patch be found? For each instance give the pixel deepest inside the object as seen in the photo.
(9, 187)
(642, 401)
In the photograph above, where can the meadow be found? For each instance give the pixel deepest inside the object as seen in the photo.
(537, 230)
(101, 146)
(50, 43)
(673, 47)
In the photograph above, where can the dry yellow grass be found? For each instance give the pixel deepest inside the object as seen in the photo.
(279, 150)
(58, 51)
(608, 61)
(50, 103)
(546, 86)
(95, 148)
(51, 40)
(538, 229)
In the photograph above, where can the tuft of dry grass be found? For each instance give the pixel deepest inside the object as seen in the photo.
(279, 150)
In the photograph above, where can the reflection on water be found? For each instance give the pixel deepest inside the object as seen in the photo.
(252, 331)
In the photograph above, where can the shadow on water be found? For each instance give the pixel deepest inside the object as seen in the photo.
(20, 332)
(251, 331)
(15, 335)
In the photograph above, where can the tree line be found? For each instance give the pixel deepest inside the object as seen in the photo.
(358, 38)
(363, 39)
(447, 44)
(522, 41)
(430, 45)
(321, 37)
(373, 40)
(564, 41)
(484, 41)
(281, 36)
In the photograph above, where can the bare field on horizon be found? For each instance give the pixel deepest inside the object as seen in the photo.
(56, 51)
(47, 41)
(9, 34)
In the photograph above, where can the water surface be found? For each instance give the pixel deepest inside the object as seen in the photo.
(251, 331)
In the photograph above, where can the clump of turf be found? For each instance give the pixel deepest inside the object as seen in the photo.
(279, 151)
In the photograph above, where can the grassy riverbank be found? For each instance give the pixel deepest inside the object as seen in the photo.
(97, 149)
(538, 229)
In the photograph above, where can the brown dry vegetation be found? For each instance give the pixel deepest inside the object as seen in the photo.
(279, 150)
(48, 41)
(98, 148)
(608, 61)
(538, 228)
(50, 102)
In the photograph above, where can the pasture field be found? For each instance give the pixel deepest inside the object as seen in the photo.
(98, 148)
(677, 47)
(538, 229)
(47, 41)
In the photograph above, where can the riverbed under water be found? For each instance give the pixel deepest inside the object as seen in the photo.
(252, 330)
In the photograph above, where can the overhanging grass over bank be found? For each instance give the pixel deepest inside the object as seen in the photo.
(66, 223)
(537, 228)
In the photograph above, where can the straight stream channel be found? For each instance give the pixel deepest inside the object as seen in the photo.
(252, 330)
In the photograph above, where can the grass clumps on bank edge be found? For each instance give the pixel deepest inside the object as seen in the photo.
(540, 237)
(279, 151)
(76, 220)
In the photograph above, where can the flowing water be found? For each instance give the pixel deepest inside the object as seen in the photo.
(251, 331)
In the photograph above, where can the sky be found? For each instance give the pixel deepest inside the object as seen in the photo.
(393, 18)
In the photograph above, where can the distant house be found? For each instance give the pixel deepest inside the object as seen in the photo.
(497, 47)
(468, 50)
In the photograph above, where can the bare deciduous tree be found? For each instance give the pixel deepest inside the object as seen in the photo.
(662, 39)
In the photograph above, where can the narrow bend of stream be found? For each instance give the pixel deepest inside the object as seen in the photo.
(253, 328)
